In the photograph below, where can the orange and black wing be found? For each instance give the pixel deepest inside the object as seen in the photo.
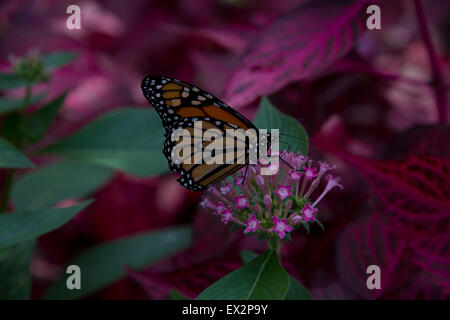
(174, 100)
(180, 105)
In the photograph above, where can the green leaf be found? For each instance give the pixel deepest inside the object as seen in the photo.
(35, 126)
(128, 139)
(247, 256)
(104, 264)
(11, 80)
(297, 291)
(25, 225)
(15, 278)
(292, 132)
(12, 104)
(306, 226)
(58, 58)
(177, 295)
(263, 278)
(320, 224)
(63, 179)
(10, 157)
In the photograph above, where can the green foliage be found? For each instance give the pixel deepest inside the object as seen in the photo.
(296, 290)
(33, 69)
(106, 263)
(13, 104)
(29, 224)
(320, 224)
(247, 256)
(35, 126)
(263, 278)
(30, 69)
(127, 139)
(11, 81)
(10, 157)
(63, 179)
(292, 132)
(177, 295)
(58, 59)
(15, 271)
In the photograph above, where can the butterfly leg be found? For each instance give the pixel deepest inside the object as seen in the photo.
(245, 174)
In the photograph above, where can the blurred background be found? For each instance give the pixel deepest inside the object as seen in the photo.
(377, 109)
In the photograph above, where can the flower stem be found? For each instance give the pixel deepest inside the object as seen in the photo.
(10, 173)
(438, 78)
(26, 100)
(275, 246)
(6, 190)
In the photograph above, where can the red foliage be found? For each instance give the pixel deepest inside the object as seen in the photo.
(377, 103)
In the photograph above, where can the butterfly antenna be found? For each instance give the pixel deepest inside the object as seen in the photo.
(288, 164)
(245, 174)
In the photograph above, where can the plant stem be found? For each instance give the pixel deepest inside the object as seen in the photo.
(438, 78)
(276, 247)
(6, 190)
(26, 100)
(10, 173)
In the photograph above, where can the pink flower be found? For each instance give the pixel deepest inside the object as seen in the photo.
(310, 172)
(226, 216)
(283, 191)
(280, 227)
(332, 182)
(267, 200)
(241, 201)
(294, 175)
(252, 224)
(238, 181)
(220, 208)
(280, 198)
(296, 219)
(309, 212)
(259, 180)
(206, 203)
(225, 189)
(324, 167)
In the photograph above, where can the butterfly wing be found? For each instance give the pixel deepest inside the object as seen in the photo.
(179, 106)
(174, 100)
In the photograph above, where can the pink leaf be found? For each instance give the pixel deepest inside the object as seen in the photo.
(372, 244)
(297, 46)
(189, 281)
(415, 191)
(433, 255)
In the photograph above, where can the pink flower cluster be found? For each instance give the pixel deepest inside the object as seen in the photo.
(273, 206)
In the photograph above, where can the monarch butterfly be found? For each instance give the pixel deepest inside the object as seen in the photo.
(179, 105)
